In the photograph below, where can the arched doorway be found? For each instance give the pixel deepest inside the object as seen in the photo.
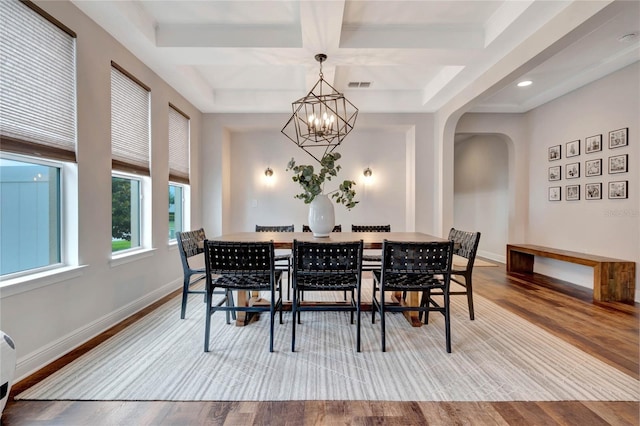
(481, 193)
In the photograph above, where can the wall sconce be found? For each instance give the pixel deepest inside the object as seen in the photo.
(367, 172)
(268, 172)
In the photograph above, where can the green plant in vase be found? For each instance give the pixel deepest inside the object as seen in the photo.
(313, 183)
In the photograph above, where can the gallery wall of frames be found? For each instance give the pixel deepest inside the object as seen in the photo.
(592, 168)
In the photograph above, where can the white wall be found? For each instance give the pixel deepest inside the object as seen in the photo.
(256, 199)
(48, 317)
(237, 148)
(481, 192)
(603, 227)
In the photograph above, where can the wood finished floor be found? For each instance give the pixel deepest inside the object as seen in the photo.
(608, 331)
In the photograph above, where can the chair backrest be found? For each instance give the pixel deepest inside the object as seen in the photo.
(370, 228)
(433, 258)
(465, 245)
(241, 258)
(190, 243)
(281, 228)
(312, 257)
(337, 228)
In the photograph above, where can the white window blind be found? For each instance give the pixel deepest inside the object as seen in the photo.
(37, 83)
(178, 146)
(129, 123)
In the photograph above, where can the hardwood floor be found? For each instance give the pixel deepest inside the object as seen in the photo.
(608, 331)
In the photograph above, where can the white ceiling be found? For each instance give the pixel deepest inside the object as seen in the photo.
(258, 56)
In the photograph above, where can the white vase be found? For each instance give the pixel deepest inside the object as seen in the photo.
(321, 216)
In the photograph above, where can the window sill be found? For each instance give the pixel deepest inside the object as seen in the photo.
(31, 282)
(133, 256)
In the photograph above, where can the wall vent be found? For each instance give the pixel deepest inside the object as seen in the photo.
(359, 83)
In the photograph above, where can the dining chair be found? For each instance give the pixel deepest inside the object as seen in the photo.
(413, 266)
(327, 267)
(242, 266)
(336, 228)
(190, 244)
(465, 245)
(371, 261)
(282, 260)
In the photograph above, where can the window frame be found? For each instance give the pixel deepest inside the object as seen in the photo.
(186, 211)
(143, 185)
(62, 223)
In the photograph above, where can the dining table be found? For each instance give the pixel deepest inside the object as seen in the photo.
(370, 240)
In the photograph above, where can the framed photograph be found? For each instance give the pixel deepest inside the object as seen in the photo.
(593, 167)
(593, 191)
(573, 192)
(572, 171)
(619, 138)
(555, 153)
(573, 148)
(593, 144)
(554, 193)
(618, 164)
(618, 189)
(555, 173)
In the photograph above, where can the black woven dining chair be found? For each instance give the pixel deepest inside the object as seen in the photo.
(413, 266)
(242, 266)
(336, 228)
(190, 244)
(465, 245)
(327, 267)
(283, 261)
(371, 261)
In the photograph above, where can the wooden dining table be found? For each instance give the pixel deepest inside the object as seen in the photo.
(370, 240)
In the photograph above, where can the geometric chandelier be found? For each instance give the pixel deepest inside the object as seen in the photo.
(322, 119)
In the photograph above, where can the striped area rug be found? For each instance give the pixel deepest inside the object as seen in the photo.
(497, 357)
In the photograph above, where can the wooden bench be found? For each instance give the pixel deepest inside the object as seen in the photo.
(614, 280)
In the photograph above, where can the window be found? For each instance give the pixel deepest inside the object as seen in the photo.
(125, 214)
(130, 136)
(176, 210)
(38, 141)
(178, 170)
(30, 227)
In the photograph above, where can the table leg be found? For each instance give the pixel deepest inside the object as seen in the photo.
(241, 300)
(246, 298)
(412, 299)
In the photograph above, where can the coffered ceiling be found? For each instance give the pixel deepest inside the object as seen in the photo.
(386, 56)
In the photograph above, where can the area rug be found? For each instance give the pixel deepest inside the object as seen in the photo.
(497, 357)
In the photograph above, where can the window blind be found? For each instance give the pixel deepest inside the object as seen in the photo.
(178, 146)
(37, 83)
(129, 123)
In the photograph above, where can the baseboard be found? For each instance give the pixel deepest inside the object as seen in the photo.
(500, 258)
(37, 359)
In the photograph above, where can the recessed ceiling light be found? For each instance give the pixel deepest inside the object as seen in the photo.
(525, 83)
(627, 38)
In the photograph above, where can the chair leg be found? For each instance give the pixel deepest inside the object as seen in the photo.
(288, 279)
(231, 303)
(447, 322)
(373, 304)
(294, 311)
(207, 322)
(358, 303)
(382, 321)
(279, 302)
(272, 315)
(426, 295)
(185, 295)
(469, 286)
(353, 302)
